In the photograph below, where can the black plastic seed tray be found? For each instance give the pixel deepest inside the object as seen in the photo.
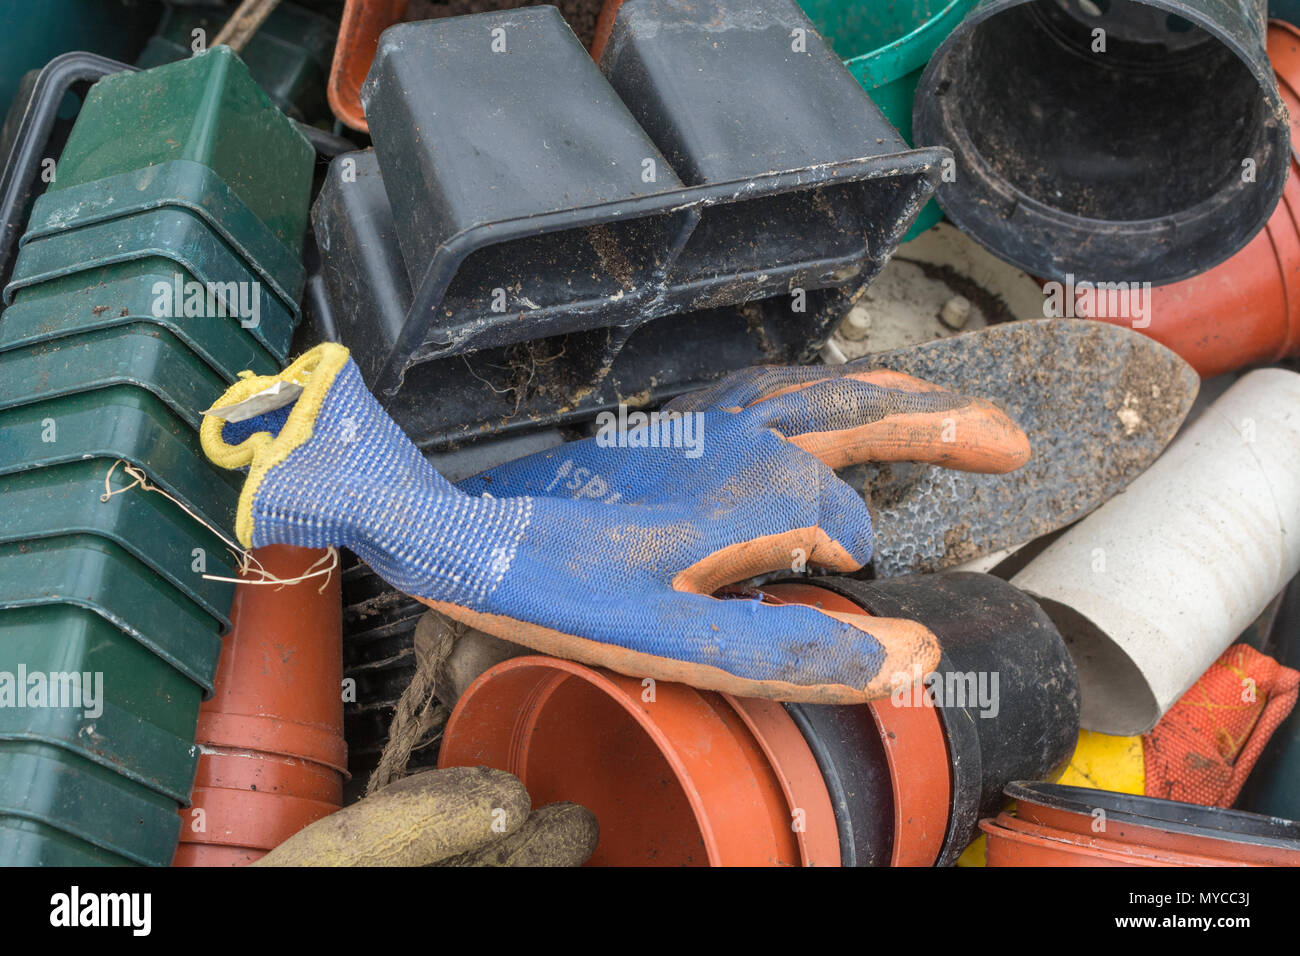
(538, 197)
(445, 401)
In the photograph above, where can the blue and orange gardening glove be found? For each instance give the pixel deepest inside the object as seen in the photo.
(611, 555)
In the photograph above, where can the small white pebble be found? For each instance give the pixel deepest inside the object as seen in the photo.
(856, 324)
(955, 312)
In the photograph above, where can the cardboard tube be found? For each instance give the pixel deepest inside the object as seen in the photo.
(1151, 588)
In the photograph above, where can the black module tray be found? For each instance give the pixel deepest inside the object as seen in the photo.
(544, 206)
(558, 379)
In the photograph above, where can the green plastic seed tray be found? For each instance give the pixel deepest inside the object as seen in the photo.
(120, 422)
(124, 293)
(63, 637)
(289, 55)
(93, 574)
(104, 734)
(181, 184)
(205, 108)
(28, 843)
(136, 354)
(61, 790)
(227, 286)
(65, 499)
(114, 739)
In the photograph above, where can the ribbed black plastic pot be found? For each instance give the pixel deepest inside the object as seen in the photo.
(675, 178)
(1028, 722)
(446, 400)
(1112, 140)
(848, 751)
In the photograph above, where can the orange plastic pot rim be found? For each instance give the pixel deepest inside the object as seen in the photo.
(272, 735)
(1007, 827)
(261, 772)
(1227, 851)
(359, 29)
(260, 820)
(211, 854)
(688, 777)
(916, 750)
(801, 779)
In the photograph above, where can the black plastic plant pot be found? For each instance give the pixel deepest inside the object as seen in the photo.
(584, 221)
(847, 747)
(1006, 690)
(566, 378)
(1124, 141)
(560, 219)
(365, 275)
(788, 159)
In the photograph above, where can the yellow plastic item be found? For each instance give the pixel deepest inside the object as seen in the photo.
(974, 854)
(1100, 762)
(1103, 762)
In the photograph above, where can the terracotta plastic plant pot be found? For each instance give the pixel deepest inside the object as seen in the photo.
(988, 631)
(1009, 848)
(278, 686)
(604, 24)
(246, 818)
(1153, 586)
(1166, 826)
(363, 21)
(915, 752)
(209, 854)
(1246, 310)
(1151, 855)
(674, 775)
(253, 770)
(273, 756)
(1014, 843)
(801, 780)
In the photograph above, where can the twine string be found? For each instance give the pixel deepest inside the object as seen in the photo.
(247, 561)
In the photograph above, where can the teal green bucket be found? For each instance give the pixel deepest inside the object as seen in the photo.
(886, 44)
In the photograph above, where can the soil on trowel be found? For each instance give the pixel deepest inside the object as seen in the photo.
(1097, 402)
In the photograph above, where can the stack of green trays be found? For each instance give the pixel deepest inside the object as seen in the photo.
(164, 260)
